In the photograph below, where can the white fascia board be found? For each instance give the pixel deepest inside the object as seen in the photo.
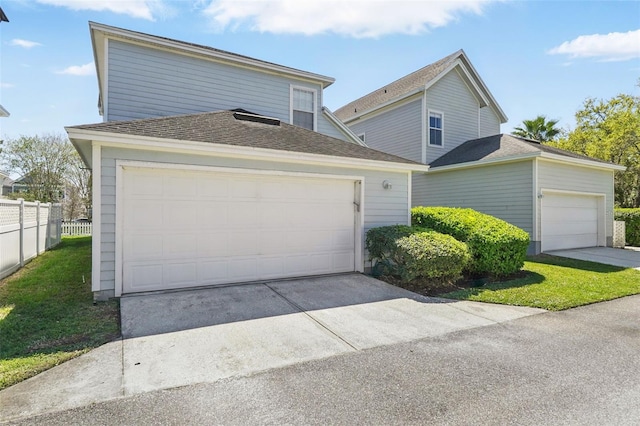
(395, 102)
(341, 126)
(228, 57)
(485, 89)
(4, 112)
(119, 140)
(541, 155)
(581, 162)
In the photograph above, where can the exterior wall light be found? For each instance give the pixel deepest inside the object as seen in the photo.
(386, 184)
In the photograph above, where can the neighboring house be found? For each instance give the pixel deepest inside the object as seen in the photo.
(444, 115)
(6, 184)
(205, 181)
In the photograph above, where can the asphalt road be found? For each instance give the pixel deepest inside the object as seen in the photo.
(580, 366)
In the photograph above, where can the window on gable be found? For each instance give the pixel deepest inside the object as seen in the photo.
(435, 128)
(303, 108)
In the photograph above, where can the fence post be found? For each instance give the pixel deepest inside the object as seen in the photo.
(37, 228)
(21, 200)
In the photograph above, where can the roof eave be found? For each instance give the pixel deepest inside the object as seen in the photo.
(384, 105)
(218, 55)
(342, 127)
(175, 145)
(525, 157)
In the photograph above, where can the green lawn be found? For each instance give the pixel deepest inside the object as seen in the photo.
(557, 283)
(47, 314)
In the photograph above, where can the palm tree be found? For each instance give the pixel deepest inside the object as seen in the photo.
(539, 129)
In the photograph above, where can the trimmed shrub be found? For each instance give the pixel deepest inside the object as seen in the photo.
(432, 255)
(381, 242)
(497, 247)
(631, 218)
(413, 252)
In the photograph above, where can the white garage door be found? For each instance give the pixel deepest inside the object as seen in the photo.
(569, 221)
(190, 228)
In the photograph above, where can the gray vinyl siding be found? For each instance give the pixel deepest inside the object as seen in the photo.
(145, 82)
(489, 122)
(575, 178)
(451, 97)
(381, 207)
(397, 131)
(502, 190)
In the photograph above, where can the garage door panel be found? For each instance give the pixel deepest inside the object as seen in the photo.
(569, 221)
(233, 228)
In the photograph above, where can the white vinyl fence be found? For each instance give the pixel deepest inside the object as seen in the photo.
(26, 230)
(76, 228)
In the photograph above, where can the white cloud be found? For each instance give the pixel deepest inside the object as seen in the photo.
(355, 18)
(606, 47)
(6, 85)
(86, 69)
(144, 9)
(24, 43)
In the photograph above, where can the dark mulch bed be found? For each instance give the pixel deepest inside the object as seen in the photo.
(436, 288)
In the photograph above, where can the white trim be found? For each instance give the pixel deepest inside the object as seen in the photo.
(4, 112)
(542, 155)
(424, 113)
(342, 127)
(121, 165)
(120, 140)
(96, 238)
(188, 48)
(387, 106)
(428, 126)
(105, 82)
(555, 158)
(535, 229)
(292, 88)
(409, 199)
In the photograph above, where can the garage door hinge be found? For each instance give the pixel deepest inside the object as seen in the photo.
(357, 206)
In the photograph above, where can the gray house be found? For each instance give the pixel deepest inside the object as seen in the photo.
(214, 168)
(443, 115)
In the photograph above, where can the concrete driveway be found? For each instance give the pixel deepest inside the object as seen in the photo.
(626, 258)
(201, 336)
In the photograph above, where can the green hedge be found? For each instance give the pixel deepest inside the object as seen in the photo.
(412, 252)
(432, 255)
(631, 218)
(497, 247)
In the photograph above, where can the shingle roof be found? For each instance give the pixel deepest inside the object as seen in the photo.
(402, 86)
(223, 127)
(500, 147)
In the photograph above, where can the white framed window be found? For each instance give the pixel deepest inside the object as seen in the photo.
(436, 128)
(303, 107)
(361, 137)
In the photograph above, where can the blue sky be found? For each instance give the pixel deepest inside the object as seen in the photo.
(536, 57)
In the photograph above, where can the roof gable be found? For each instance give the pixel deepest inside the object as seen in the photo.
(503, 147)
(418, 81)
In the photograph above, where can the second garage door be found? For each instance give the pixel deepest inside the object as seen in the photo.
(569, 221)
(192, 228)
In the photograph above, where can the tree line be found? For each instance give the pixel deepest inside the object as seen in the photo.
(608, 130)
(48, 169)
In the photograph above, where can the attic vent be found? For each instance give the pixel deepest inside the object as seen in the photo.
(256, 118)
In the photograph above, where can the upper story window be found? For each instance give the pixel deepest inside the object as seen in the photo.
(303, 107)
(435, 128)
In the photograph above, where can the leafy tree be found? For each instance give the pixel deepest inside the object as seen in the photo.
(610, 130)
(43, 161)
(539, 129)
